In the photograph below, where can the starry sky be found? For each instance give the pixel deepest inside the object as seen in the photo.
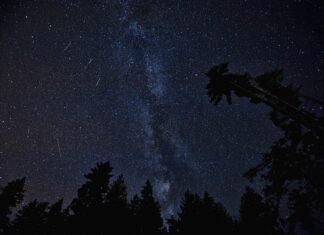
(123, 81)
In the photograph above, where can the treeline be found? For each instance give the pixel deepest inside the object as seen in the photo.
(102, 207)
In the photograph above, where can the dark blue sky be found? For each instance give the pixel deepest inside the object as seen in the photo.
(89, 81)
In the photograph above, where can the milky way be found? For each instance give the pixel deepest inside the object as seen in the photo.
(123, 81)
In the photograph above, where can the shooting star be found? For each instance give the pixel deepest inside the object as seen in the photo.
(59, 147)
(67, 47)
(98, 82)
(90, 61)
(28, 131)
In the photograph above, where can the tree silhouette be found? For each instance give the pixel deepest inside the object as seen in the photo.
(56, 219)
(134, 207)
(39, 218)
(188, 216)
(293, 170)
(146, 212)
(103, 208)
(294, 167)
(257, 216)
(119, 215)
(31, 219)
(266, 88)
(215, 217)
(11, 195)
(201, 216)
(90, 207)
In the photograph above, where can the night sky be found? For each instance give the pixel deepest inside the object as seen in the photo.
(123, 81)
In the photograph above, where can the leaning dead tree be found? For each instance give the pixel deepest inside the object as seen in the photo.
(266, 88)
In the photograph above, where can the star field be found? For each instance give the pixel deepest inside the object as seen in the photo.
(123, 81)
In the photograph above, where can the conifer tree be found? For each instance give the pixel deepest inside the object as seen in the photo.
(89, 208)
(201, 216)
(148, 212)
(31, 219)
(119, 216)
(256, 216)
(10, 196)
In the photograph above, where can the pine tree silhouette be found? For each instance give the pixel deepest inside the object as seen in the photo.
(146, 211)
(31, 219)
(214, 217)
(38, 218)
(11, 195)
(188, 216)
(90, 207)
(56, 219)
(119, 218)
(201, 216)
(134, 208)
(256, 216)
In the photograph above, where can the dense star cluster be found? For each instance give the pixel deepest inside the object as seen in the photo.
(123, 81)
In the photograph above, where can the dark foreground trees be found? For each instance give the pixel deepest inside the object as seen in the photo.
(10, 197)
(202, 216)
(102, 207)
(257, 216)
(146, 212)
